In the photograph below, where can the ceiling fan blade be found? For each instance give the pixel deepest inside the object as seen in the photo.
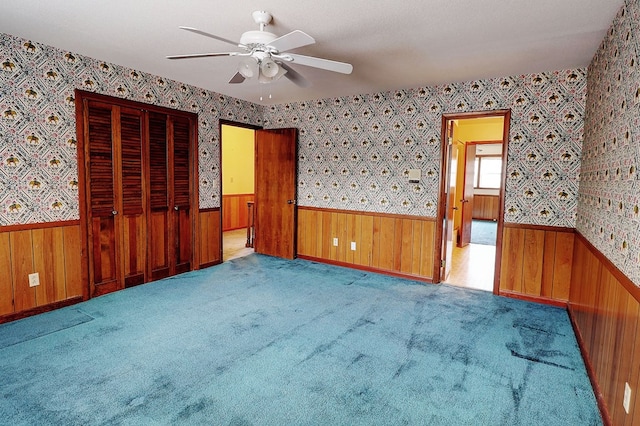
(292, 40)
(200, 55)
(295, 77)
(237, 78)
(206, 34)
(325, 64)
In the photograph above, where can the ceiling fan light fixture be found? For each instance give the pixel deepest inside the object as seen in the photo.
(269, 68)
(265, 79)
(248, 67)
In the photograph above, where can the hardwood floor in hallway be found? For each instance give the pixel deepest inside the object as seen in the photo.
(473, 267)
(234, 244)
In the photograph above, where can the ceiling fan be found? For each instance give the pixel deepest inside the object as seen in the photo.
(263, 54)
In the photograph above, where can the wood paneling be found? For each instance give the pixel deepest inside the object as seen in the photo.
(486, 207)
(235, 211)
(389, 243)
(6, 285)
(536, 261)
(605, 311)
(54, 253)
(210, 237)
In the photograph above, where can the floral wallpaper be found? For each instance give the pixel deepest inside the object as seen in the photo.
(355, 151)
(609, 202)
(38, 169)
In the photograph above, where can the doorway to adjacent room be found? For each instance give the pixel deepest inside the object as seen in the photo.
(237, 152)
(474, 160)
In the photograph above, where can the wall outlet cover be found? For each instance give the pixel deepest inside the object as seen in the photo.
(34, 279)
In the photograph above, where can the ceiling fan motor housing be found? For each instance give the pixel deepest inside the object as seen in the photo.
(257, 38)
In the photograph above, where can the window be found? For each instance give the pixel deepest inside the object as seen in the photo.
(488, 172)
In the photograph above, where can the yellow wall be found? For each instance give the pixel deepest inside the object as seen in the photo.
(475, 130)
(479, 129)
(237, 160)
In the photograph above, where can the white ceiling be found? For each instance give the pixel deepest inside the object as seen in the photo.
(391, 44)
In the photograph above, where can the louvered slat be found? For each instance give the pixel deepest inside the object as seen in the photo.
(158, 185)
(181, 185)
(100, 160)
(131, 152)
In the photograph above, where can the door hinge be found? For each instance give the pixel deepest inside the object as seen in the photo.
(443, 263)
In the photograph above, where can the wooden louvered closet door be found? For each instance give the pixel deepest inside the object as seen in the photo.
(159, 196)
(170, 196)
(181, 184)
(115, 199)
(138, 170)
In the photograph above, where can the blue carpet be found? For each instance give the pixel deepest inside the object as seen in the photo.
(41, 325)
(265, 341)
(484, 232)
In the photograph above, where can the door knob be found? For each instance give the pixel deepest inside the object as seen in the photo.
(176, 208)
(114, 212)
(291, 201)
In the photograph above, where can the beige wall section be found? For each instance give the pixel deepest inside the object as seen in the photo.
(237, 160)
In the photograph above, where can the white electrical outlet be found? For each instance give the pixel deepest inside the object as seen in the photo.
(34, 279)
(353, 245)
(335, 242)
(627, 397)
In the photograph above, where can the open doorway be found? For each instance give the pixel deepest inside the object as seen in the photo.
(474, 160)
(238, 187)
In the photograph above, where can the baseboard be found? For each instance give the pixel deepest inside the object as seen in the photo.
(40, 309)
(602, 405)
(208, 264)
(367, 269)
(535, 299)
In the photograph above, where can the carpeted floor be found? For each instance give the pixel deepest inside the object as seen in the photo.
(265, 341)
(484, 232)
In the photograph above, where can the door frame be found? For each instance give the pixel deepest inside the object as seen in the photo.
(442, 194)
(222, 122)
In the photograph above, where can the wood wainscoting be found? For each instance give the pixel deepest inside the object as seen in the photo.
(604, 306)
(535, 262)
(393, 244)
(53, 250)
(486, 207)
(210, 237)
(235, 214)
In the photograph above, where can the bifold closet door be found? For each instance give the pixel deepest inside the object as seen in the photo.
(115, 199)
(159, 196)
(170, 232)
(181, 132)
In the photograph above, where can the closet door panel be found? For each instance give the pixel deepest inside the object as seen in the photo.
(133, 213)
(182, 193)
(158, 196)
(100, 160)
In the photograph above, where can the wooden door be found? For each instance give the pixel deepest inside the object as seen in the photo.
(131, 190)
(170, 182)
(113, 152)
(467, 195)
(447, 232)
(275, 192)
(104, 255)
(180, 178)
(158, 197)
